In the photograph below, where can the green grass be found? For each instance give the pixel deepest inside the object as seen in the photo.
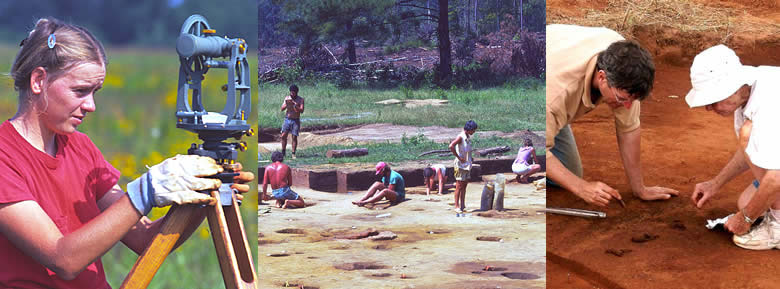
(407, 150)
(134, 126)
(508, 108)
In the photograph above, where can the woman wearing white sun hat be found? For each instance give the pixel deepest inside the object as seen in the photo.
(723, 85)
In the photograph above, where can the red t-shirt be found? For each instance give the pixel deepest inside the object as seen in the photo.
(67, 187)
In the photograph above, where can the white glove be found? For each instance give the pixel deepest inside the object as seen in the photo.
(175, 180)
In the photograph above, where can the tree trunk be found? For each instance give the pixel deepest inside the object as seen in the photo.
(498, 17)
(521, 14)
(356, 152)
(445, 53)
(351, 54)
(468, 15)
(475, 17)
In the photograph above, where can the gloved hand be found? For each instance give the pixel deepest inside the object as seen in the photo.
(175, 180)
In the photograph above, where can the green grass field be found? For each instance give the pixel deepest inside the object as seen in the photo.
(134, 126)
(512, 107)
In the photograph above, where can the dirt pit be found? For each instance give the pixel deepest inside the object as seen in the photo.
(433, 249)
(680, 147)
(381, 132)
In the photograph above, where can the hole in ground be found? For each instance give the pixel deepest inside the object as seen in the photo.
(520, 275)
(291, 231)
(360, 266)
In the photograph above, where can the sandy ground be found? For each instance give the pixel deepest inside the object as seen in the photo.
(680, 147)
(433, 248)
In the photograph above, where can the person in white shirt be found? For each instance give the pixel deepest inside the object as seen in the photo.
(723, 85)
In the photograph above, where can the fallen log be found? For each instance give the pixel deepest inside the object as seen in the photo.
(356, 152)
(432, 152)
(378, 61)
(493, 150)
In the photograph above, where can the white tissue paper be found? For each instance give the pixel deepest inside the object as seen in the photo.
(711, 224)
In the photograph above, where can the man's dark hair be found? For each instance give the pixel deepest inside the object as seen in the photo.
(629, 67)
(470, 125)
(427, 172)
(528, 142)
(277, 156)
(294, 88)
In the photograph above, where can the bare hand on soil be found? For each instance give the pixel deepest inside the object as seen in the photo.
(702, 192)
(656, 193)
(597, 193)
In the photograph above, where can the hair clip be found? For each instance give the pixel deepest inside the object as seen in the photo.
(52, 41)
(22, 43)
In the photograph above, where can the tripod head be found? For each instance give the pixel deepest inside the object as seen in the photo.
(198, 46)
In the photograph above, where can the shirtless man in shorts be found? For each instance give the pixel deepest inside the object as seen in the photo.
(279, 176)
(293, 103)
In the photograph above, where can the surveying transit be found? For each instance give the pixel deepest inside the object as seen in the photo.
(197, 47)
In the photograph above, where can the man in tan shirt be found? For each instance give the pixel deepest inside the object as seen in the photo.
(587, 66)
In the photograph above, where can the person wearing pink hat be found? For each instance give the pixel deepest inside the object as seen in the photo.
(391, 187)
(752, 94)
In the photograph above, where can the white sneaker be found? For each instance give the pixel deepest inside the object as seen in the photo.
(765, 236)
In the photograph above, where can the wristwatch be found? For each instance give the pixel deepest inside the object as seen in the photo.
(747, 219)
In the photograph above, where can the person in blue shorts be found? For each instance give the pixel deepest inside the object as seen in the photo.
(391, 187)
(293, 104)
(279, 176)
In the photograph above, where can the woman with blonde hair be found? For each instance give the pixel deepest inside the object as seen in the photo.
(61, 207)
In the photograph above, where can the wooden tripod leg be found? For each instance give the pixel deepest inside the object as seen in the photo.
(235, 260)
(149, 262)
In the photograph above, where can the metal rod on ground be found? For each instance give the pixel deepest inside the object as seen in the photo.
(575, 212)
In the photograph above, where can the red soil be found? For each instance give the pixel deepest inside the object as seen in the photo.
(680, 147)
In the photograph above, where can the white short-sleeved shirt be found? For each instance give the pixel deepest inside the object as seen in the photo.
(464, 150)
(441, 168)
(763, 109)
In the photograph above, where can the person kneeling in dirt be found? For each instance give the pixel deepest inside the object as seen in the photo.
(588, 66)
(526, 163)
(433, 175)
(723, 85)
(280, 178)
(391, 187)
(293, 103)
